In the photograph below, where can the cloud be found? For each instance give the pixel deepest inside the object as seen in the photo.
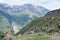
(23, 1)
(12, 2)
(50, 4)
(1, 1)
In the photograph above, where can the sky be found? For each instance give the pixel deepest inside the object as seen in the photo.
(49, 4)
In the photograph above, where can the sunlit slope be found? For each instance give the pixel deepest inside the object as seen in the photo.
(49, 23)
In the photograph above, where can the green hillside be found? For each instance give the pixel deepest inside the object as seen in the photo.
(47, 24)
(3, 24)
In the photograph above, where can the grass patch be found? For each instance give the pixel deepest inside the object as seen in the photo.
(34, 37)
(38, 38)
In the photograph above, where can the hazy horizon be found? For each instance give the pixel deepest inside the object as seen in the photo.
(49, 4)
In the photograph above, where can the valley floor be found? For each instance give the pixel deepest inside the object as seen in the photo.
(33, 37)
(37, 37)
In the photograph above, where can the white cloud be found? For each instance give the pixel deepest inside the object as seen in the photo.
(23, 1)
(12, 2)
(1, 1)
(50, 4)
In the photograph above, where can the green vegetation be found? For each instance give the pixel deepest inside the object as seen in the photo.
(36, 30)
(30, 37)
(33, 37)
(3, 24)
(50, 23)
(43, 24)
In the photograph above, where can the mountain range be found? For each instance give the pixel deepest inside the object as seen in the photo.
(17, 16)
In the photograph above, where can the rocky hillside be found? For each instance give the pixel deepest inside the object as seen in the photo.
(53, 13)
(48, 24)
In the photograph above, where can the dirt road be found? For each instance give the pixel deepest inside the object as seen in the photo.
(55, 37)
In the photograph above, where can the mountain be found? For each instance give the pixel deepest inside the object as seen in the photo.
(53, 13)
(29, 10)
(20, 15)
(4, 23)
(50, 23)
